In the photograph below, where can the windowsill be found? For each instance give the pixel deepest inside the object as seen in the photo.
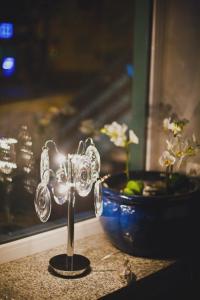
(29, 276)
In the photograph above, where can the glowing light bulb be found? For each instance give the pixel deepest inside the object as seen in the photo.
(60, 158)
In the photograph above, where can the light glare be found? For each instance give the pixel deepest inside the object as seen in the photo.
(60, 158)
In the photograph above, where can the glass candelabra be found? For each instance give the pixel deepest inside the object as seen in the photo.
(70, 174)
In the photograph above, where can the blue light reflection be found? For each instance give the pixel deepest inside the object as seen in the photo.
(6, 30)
(8, 66)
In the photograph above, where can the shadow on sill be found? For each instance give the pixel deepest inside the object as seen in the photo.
(179, 281)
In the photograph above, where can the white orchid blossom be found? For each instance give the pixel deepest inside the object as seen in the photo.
(166, 123)
(166, 159)
(117, 133)
(121, 137)
(193, 146)
(182, 148)
(174, 127)
(194, 139)
(179, 148)
(133, 137)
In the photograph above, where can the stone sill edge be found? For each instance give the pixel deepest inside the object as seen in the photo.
(47, 240)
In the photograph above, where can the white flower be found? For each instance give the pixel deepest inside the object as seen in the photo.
(166, 123)
(117, 133)
(167, 159)
(182, 148)
(192, 147)
(178, 147)
(194, 138)
(133, 137)
(175, 128)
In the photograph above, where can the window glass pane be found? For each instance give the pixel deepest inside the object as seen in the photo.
(65, 71)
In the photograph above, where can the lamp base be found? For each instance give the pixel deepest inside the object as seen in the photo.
(69, 266)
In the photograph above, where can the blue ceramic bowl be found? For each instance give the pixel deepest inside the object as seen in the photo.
(150, 226)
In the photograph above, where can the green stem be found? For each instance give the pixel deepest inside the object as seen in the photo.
(127, 162)
(167, 179)
(169, 171)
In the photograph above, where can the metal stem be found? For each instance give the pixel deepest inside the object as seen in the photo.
(71, 202)
(70, 242)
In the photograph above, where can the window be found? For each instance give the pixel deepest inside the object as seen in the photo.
(65, 69)
(175, 74)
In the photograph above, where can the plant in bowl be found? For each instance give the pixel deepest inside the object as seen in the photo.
(123, 137)
(149, 213)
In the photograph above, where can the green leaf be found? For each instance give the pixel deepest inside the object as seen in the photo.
(128, 191)
(135, 186)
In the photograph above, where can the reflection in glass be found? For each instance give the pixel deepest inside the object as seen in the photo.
(26, 159)
(7, 158)
(70, 66)
(43, 202)
(7, 171)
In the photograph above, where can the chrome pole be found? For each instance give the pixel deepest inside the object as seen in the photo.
(70, 237)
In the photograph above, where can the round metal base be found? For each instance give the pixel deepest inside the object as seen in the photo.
(69, 266)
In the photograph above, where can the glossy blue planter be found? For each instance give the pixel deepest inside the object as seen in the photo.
(150, 226)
